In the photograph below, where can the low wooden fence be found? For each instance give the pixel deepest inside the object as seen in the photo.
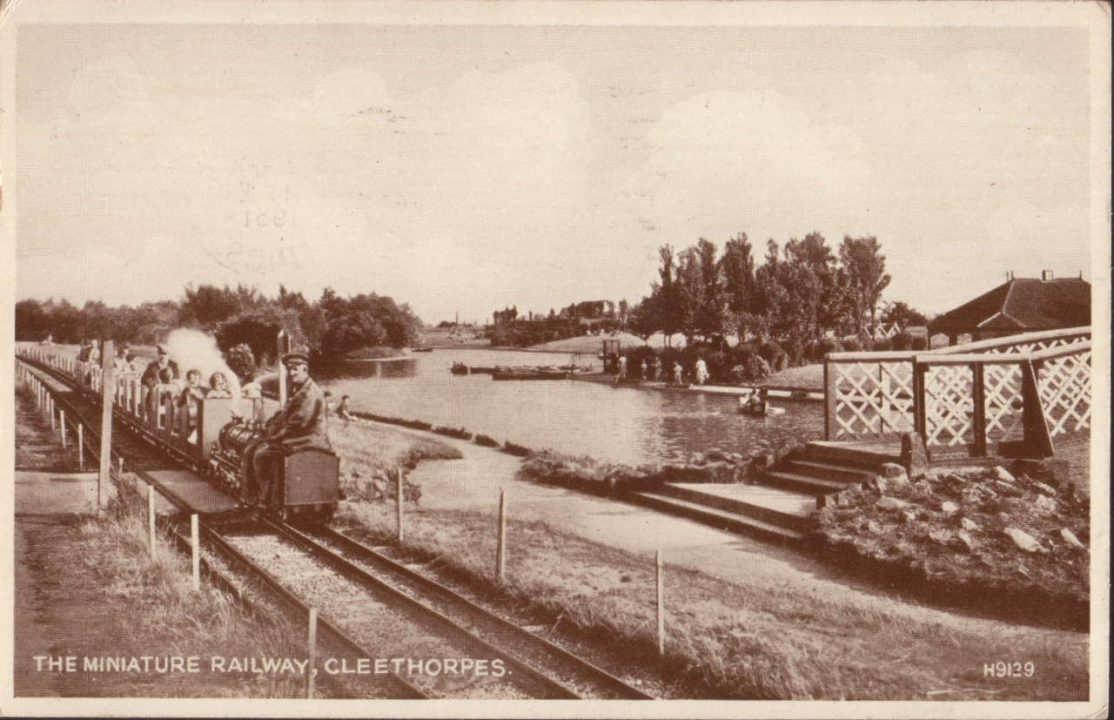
(1010, 395)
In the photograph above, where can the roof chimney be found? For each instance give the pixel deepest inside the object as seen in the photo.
(1046, 275)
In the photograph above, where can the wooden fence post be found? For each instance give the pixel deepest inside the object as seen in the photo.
(311, 642)
(398, 502)
(151, 519)
(108, 390)
(195, 550)
(81, 453)
(62, 426)
(661, 604)
(1038, 441)
(501, 545)
(829, 402)
(978, 386)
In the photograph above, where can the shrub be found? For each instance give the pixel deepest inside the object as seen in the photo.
(519, 450)
(717, 364)
(794, 349)
(769, 350)
(818, 349)
(752, 369)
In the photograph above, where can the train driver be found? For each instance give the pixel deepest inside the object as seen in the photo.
(299, 425)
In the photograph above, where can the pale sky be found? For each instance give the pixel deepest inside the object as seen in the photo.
(468, 168)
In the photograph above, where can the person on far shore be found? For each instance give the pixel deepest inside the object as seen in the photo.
(342, 410)
(622, 374)
(678, 374)
(700, 372)
(644, 371)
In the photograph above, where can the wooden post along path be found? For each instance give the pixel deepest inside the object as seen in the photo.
(195, 546)
(661, 606)
(398, 502)
(103, 478)
(501, 545)
(311, 642)
(151, 519)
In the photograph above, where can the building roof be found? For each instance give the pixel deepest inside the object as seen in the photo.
(1021, 305)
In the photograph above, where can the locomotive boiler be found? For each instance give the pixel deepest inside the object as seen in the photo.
(306, 487)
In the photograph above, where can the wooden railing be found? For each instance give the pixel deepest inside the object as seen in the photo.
(1009, 395)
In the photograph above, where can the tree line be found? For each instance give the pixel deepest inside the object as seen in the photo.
(331, 326)
(802, 292)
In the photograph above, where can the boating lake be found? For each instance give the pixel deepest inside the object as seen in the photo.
(618, 424)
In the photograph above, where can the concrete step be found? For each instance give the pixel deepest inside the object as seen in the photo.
(803, 483)
(756, 506)
(827, 471)
(719, 519)
(846, 454)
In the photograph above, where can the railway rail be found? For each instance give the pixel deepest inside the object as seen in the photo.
(535, 667)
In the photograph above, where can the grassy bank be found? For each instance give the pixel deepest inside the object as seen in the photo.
(107, 597)
(762, 639)
(369, 450)
(759, 640)
(805, 377)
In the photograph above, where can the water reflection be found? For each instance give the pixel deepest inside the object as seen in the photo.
(618, 424)
(349, 369)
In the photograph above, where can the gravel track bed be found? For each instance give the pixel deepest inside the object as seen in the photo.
(379, 627)
(261, 600)
(556, 631)
(537, 657)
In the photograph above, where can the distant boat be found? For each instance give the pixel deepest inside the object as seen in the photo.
(530, 374)
(422, 348)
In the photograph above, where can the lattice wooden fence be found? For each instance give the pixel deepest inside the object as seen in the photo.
(973, 398)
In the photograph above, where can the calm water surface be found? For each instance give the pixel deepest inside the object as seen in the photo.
(617, 424)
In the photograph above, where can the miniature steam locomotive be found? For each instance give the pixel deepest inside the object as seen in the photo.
(307, 486)
(212, 440)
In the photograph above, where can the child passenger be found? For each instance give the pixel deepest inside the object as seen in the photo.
(190, 397)
(218, 386)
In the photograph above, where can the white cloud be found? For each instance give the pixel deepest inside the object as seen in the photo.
(749, 157)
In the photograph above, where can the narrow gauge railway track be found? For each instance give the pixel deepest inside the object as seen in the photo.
(402, 628)
(330, 637)
(536, 667)
(411, 588)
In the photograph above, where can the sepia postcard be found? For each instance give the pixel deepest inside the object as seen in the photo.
(555, 359)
